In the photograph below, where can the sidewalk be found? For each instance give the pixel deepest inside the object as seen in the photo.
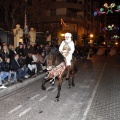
(17, 86)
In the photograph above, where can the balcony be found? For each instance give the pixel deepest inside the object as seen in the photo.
(66, 18)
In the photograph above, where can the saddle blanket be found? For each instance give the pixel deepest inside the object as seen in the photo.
(58, 70)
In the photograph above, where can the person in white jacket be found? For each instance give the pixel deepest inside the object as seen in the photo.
(67, 48)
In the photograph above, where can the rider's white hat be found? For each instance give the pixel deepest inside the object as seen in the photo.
(68, 34)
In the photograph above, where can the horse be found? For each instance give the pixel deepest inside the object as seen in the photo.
(57, 70)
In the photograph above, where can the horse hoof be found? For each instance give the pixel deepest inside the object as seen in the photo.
(43, 87)
(67, 78)
(73, 84)
(53, 83)
(69, 86)
(56, 100)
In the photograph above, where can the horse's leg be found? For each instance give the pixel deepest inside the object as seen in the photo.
(73, 73)
(43, 84)
(59, 88)
(69, 83)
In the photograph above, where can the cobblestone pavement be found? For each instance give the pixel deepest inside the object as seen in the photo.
(106, 103)
(94, 97)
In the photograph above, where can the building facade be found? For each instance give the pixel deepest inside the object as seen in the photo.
(65, 16)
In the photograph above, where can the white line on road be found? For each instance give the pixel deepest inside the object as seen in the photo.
(48, 88)
(32, 98)
(54, 90)
(63, 83)
(93, 94)
(43, 98)
(15, 109)
(24, 112)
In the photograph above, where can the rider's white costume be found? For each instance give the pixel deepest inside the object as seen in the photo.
(67, 48)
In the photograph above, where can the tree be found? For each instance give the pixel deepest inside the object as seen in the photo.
(14, 12)
(37, 11)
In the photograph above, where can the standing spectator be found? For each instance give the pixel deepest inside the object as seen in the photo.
(26, 39)
(21, 70)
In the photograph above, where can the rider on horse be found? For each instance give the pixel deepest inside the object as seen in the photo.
(67, 49)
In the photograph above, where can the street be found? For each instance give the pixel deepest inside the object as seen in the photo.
(94, 97)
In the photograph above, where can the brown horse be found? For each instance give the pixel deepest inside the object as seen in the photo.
(56, 70)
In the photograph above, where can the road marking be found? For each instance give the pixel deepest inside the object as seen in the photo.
(43, 98)
(48, 88)
(63, 83)
(54, 90)
(24, 112)
(32, 98)
(15, 109)
(93, 94)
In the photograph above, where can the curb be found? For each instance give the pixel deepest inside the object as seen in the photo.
(17, 86)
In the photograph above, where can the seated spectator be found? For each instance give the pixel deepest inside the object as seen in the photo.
(25, 50)
(5, 52)
(31, 65)
(22, 60)
(20, 69)
(38, 60)
(8, 68)
(19, 50)
(12, 52)
(33, 47)
(3, 74)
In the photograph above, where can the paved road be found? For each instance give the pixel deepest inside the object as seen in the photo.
(86, 101)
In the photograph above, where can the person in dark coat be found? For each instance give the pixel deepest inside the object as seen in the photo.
(8, 68)
(26, 39)
(19, 50)
(20, 69)
(12, 52)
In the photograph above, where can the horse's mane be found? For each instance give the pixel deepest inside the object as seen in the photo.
(57, 57)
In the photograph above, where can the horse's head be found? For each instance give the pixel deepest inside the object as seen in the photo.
(54, 58)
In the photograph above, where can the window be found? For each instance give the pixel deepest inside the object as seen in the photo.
(80, 2)
(29, 2)
(53, 12)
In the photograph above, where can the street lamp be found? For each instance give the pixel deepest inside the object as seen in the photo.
(91, 40)
(91, 35)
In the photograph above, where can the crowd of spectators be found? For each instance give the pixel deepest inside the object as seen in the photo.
(24, 61)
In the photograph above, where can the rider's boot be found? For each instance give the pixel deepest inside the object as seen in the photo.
(68, 73)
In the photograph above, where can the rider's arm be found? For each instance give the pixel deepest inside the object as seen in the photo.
(72, 47)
